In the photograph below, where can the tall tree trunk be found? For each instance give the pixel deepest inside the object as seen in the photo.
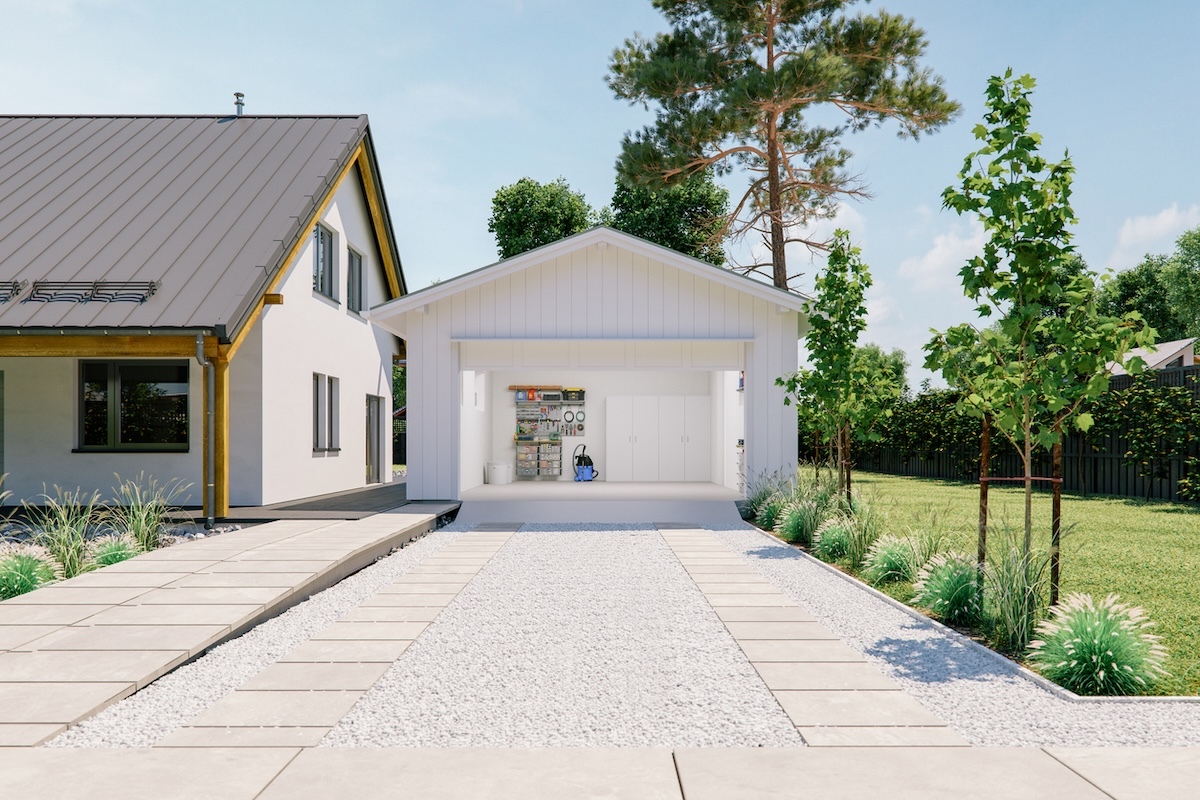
(775, 200)
(1056, 513)
(985, 452)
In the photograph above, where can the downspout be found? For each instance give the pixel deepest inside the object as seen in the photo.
(210, 431)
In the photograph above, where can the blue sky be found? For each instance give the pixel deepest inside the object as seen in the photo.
(465, 97)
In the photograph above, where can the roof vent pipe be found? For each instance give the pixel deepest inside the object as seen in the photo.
(239, 102)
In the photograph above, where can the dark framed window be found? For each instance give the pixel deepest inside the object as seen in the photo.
(326, 412)
(133, 405)
(324, 266)
(355, 288)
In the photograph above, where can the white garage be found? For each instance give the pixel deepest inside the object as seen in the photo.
(661, 365)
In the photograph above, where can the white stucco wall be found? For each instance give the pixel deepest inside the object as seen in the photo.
(246, 422)
(41, 428)
(588, 300)
(310, 333)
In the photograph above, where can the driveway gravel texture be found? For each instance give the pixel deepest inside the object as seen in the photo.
(146, 717)
(593, 636)
(984, 699)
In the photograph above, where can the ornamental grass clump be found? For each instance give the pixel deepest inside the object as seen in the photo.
(948, 586)
(891, 559)
(62, 524)
(23, 568)
(1100, 648)
(831, 541)
(113, 549)
(867, 526)
(770, 511)
(143, 509)
(798, 521)
(1016, 583)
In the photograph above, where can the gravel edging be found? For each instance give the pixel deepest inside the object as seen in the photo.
(146, 717)
(982, 695)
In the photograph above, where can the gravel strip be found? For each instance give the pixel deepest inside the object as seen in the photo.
(572, 636)
(144, 718)
(984, 699)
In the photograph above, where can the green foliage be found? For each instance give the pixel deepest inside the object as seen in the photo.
(688, 217)
(833, 539)
(528, 214)
(847, 389)
(1048, 352)
(108, 550)
(23, 568)
(867, 526)
(143, 508)
(1098, 649)
(1163, 288)
(892, 558)
(61, 525)
(760, 488)
(740, 84)
(948, 586)
(770, 510)
(798, 521)
(1017, 582)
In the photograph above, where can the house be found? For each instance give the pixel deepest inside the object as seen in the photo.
(185, 297)
(1163, 355)
(661, 365)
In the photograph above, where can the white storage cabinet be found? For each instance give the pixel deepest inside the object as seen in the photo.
(659, 438)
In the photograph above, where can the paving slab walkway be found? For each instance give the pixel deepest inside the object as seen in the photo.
(75, 647)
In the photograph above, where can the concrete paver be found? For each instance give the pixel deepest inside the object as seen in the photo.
(779, 630)
(372, 630)
(29, 735)
(343, 676)
(864, 736)
(737, 588)
(401, 587)
(189, 638)
(13, 636)
(224, 595)
(104, 579)
(92, 666)
(874, 709)
(241, 579)
(896, 773)
(763, 614)
(45, 613)
(798, 650)
(64, 703)
(824, 675)
(275, 736)
(227, 615)
(1136, 773)
(742, 600)
(287, 708)
(374, 651)
(64, 595)
(383, 610)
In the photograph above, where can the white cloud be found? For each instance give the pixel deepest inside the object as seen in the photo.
(1151, 234)
(801, 259)
(939, 265)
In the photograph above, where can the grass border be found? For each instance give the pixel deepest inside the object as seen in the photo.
(1022, 671)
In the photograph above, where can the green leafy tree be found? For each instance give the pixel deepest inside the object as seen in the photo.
(1155, 423)
(528, 214)
(1164, 289)
(1049, 352)
(772, 87)
(848, 390)
(688, 217)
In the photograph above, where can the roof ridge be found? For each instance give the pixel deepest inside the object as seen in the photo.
(181, 116)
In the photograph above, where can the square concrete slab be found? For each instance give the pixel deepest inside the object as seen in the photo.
(376, 651)
(62, 703)
(64, 595)
(798, 650)
(225, 595)
(391, 613)
(479, 774)
(245, 737)
(13, 636)
(776, 599)
(779, 630)
(763, 614)
(984, 773)
(256, 709)
(371, 630)
(187, 638)
(882, 737)
(821, 676)
(1136, 773)
(229, 616)
(316, 677)
(144, 774)
(27, 735)
(25, 614)
(103, 666)
(845, 709)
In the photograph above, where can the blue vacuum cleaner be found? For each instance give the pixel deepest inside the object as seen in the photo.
(585, 469)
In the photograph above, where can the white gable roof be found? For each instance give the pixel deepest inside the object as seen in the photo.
(600, 235)
(1159, 355)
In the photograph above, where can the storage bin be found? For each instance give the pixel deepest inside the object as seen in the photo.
(499, 472)
(572, 395)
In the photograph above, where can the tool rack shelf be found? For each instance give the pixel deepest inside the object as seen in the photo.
(541, 425)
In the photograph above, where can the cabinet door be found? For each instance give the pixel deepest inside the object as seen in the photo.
(618, 440)
(645, 438)
(698, 438)
(672, 431)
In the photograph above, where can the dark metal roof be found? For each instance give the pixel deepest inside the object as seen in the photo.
(205, 207)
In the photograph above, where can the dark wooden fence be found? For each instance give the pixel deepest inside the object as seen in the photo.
(1091, 464)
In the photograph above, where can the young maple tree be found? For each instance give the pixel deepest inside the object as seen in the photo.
(738, 83)
(1051, 349)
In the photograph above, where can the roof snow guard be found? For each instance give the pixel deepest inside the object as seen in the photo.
(10, 289)
(91, 291)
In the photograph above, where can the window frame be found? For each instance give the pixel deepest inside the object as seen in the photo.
(326, 413)
(356, 290)
(113, 401)
(325, 248)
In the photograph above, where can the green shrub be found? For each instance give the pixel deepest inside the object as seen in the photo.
(770, 510)
(831, 541)
(892, 558)
(799, 520)
(109, 550)
(61, 526)
(1098, 649)
(868, 523)
(948, 586)
(143, 508)
(24, 568)
(1016, 587)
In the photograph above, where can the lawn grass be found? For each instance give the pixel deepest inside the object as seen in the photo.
(1146, 552)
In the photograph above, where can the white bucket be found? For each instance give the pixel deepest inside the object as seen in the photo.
(499, 472)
